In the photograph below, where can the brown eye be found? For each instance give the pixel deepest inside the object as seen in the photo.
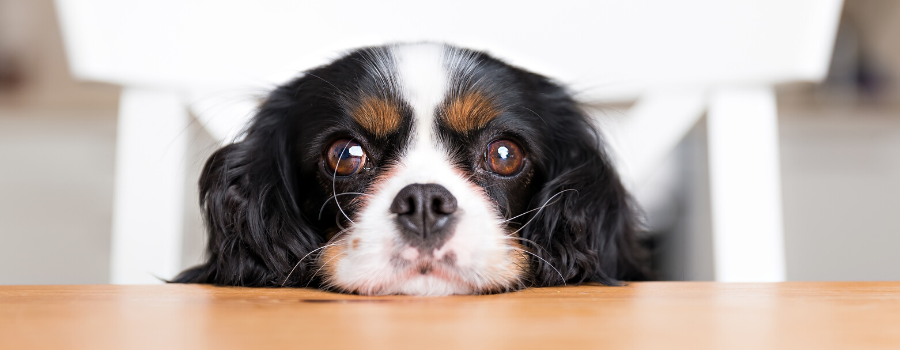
(345, 157)
(504, 157)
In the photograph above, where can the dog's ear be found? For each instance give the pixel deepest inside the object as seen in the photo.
(249, 199)
(587, 229)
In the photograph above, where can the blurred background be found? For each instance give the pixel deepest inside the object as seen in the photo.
(839, 163)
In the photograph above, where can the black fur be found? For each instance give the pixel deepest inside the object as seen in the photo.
(262, 196)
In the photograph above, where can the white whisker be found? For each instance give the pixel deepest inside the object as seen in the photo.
(539, 211)
(333, 179)
(311, 278)
(308, 254)
(529, 241)
(545, 261)
(322, 208)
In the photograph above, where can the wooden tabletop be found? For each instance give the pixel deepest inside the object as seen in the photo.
(650, 315)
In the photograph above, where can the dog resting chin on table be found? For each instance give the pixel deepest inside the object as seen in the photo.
(418, 169)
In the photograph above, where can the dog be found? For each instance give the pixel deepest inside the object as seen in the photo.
(418, 169)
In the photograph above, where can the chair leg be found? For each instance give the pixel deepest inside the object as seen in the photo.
(654, 126)
(149, 189)
(745, 185)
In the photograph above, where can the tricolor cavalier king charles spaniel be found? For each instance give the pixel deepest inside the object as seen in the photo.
(418, 169)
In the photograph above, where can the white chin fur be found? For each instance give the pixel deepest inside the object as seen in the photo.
(430, 286)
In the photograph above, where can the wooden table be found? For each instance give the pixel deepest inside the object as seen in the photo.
(651, 315)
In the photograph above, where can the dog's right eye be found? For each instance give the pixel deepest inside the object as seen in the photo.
(504, 157)
(345, 157)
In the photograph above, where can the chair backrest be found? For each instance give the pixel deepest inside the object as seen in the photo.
(607, 49)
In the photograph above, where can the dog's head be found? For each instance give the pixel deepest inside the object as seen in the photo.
(416, 169)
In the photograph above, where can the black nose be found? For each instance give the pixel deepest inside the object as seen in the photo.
(424, 214)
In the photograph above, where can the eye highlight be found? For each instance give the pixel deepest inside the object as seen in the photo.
(504, 157)
(345, 157)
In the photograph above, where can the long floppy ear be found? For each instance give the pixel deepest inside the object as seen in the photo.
(248, 194)
(587, 232)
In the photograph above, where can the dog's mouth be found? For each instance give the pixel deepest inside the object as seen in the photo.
(436, 271)
(454, 268)
(439, 264)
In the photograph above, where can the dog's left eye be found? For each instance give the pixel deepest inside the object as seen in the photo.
(345, 157)
(504, 157)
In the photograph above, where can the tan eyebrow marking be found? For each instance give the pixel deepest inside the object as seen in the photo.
(377, 115)
(469, 111)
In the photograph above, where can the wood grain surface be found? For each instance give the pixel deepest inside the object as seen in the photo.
(650, 315)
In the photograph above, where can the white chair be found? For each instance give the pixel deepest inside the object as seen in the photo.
(678, 59)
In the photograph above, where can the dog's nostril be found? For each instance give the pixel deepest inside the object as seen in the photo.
(424, 198)
(407, 206)
(443, 205)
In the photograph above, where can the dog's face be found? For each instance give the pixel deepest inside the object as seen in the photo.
(439, 152)
(416, 169)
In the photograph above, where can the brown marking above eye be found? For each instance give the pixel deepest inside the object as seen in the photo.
(469, 111)
(379, 116)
